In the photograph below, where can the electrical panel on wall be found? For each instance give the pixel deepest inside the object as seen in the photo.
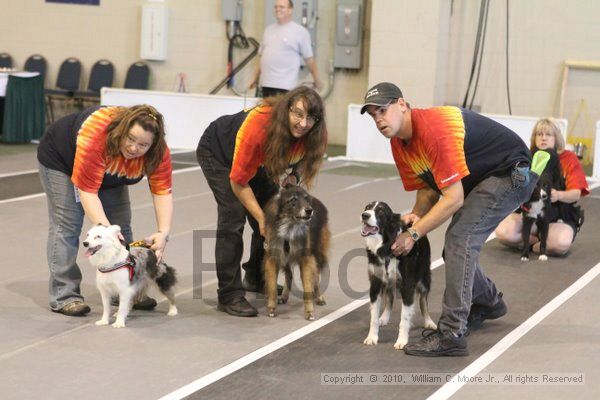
(348, 35)
(155, 32)
(305, 13)
(232, 10)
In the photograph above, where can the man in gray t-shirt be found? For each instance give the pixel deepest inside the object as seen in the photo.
(284, 45)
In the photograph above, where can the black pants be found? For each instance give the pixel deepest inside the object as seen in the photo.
(231, 218)
(269, 91)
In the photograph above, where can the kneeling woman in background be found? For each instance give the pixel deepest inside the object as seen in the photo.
(561, 234)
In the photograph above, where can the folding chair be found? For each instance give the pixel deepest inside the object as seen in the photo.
(36, 63)
(5, 60)
(67, 83)
(101, 75)
(137, 76)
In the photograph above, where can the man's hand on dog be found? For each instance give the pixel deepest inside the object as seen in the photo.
(158, 242)
(403, 244)
(410, 219)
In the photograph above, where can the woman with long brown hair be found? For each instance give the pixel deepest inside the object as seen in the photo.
(86, 160)
(245, 157)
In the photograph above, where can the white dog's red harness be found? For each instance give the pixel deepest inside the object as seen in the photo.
(129, 264)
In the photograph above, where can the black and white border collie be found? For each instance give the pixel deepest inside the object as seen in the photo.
(125, 273)
(410, 274)
(539, 209)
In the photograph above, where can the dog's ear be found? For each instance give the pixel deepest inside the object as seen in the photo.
(114, 229)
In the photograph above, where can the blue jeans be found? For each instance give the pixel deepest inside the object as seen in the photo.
(483, 209)
(65, 220)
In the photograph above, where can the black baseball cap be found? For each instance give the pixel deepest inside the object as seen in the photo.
(381, 95)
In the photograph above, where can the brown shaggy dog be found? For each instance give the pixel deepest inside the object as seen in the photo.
(297, 233)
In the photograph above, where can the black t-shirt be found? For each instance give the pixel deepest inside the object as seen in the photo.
(491, 149)
(219, 137)
(58, 144)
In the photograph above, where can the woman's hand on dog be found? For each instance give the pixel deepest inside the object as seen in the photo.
(158, 241)
(261, 226)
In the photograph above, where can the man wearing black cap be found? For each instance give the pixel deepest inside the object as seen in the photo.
(466, 167)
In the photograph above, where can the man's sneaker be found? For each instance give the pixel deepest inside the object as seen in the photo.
(238, 307)
(480, 313)
(74, 309)
(146, 304)
(439, 344)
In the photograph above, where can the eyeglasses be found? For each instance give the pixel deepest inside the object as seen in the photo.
(299, 115)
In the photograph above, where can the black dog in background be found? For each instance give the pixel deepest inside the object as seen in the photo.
(539, 208)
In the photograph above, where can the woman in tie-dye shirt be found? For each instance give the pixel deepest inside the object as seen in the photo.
(243, 157)
(86, 161)
(562, 231)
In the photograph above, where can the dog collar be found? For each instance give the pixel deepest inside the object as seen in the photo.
(129, 264)
(526, 209)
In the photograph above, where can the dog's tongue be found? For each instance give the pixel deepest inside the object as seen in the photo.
(89, 252)
(368, 230)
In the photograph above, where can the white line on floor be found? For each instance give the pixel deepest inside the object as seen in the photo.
(359, 184)
(271, 347)
(36, 195)
(262, 352)
(22, 198)
(184, 162)
(30, 346)
(506, 342)
(9, 354)
(291, 337)
(30, 171)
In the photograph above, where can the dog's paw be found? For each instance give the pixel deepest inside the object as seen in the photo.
(371, 340)
(524, 259)
(282, 300)
(383, 321)
(430, 325)
(321, 301)
(172, 311)
(399, 345)
(271, 312)
(309, 315)
(118, 324)
(543, 257)
(102, 322)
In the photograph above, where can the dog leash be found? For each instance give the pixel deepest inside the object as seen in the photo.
(140, 243)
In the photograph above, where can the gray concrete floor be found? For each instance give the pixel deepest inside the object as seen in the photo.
(50, 356)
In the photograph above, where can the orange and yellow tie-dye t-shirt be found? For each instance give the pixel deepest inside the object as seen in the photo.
(93, 169)
(435, 154)
(573, 172)
(249, 154)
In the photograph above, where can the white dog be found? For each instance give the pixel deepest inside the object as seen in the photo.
(125, 273)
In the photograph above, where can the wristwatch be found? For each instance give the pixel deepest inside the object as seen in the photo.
(414, 235)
